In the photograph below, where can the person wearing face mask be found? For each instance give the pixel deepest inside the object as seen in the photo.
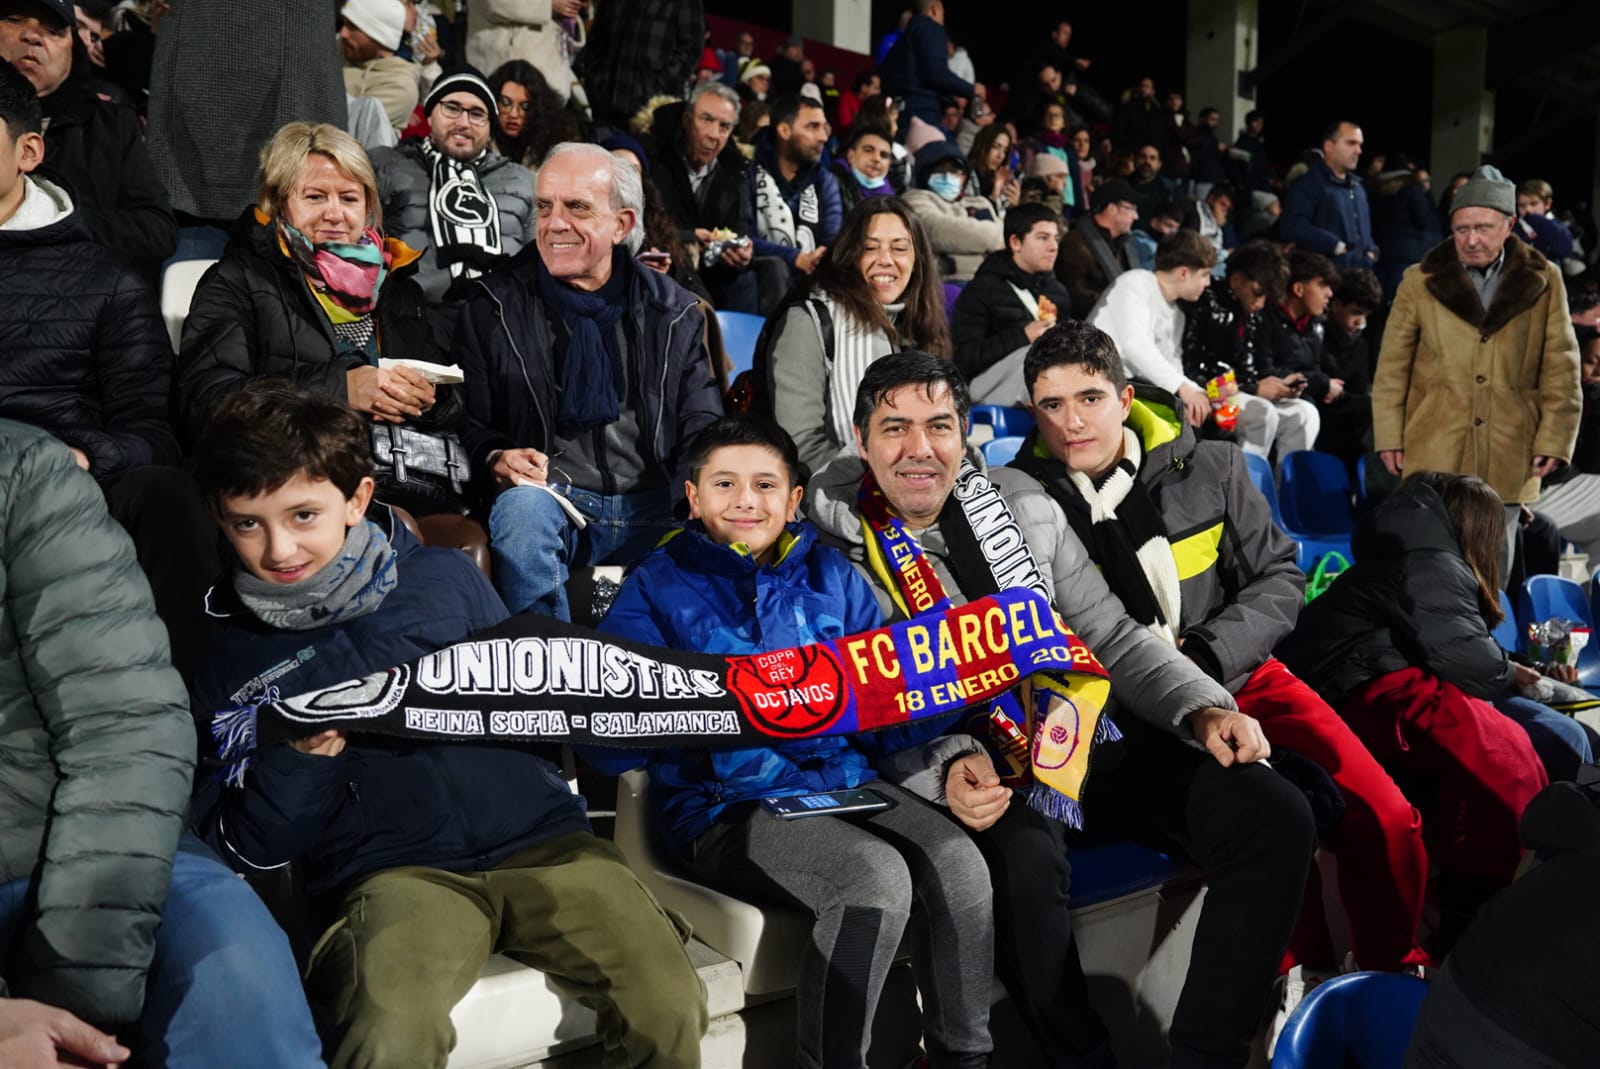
(877, 291)
(963, 227)
(863, 170)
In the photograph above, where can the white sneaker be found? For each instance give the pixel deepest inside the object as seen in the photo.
(1290, 990)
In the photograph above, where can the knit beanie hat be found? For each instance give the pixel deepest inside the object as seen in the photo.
(382, 20)
(463, 79)
(1045, 164)
(1487, 188)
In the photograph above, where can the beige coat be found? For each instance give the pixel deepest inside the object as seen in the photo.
(391, 81)
(1474, 392)
(503, 30)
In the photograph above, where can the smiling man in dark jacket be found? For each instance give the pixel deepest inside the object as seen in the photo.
(586, 376)
(95, 145)
(425, 859)
(1012, 299)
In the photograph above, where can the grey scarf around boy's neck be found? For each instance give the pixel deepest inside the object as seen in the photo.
(352, 584)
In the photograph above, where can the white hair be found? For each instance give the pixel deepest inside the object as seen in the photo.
(627, 185)
(718, 90)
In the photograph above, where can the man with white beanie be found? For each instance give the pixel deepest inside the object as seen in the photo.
(1479, 370)
(370, 33)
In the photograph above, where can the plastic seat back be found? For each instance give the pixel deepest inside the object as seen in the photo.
(1261, 475)
(1007, 422)
(1314, 494)
(1547, 596)
(1506, 632)
(739, 333)
(998, 452)
(178, 283)
(1362, 1020)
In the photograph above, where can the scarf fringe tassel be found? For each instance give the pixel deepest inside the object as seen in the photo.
(1050, 802)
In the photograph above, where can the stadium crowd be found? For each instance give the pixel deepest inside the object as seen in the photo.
(466, 264)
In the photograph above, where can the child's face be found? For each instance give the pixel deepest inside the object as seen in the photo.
(1591, 361)
(292, 532)
(744, 495)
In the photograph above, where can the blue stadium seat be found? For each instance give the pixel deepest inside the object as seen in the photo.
(1507, 633)
(1007, 422)
(997, 452)
(1547, 596)
(1361, 478)
(1309, 548)
(739, 333)
(1361, 1020)
(1314, 494)
(1103, 871)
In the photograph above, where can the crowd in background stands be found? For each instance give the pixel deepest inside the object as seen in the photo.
(466, 260)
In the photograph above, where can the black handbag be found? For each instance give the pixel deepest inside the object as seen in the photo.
(421, 471)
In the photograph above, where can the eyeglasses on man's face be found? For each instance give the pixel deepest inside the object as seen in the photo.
(453, 111)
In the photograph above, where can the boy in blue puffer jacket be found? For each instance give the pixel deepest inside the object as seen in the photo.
(744, 577)
(430, 857)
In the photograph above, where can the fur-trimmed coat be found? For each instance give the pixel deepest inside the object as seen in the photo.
(1474, 391)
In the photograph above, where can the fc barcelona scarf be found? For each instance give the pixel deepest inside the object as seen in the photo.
(1043, 732)
(538, 679)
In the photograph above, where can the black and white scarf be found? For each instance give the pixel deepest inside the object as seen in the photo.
(462, 214)
(1130, 541)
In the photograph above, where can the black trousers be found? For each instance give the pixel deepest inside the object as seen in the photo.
(1251, 832)
(179, 550)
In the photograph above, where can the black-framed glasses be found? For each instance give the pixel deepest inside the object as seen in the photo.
(454, 111)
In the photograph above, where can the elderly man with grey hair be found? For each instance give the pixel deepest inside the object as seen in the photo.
(586, 378)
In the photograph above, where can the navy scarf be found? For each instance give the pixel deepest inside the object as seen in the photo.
(591, 369)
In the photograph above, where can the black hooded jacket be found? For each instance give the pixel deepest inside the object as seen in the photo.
(97, 148)
(83, 352)
(989, 319)
(1410, 600)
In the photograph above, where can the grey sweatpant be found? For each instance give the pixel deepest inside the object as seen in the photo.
(863, 877)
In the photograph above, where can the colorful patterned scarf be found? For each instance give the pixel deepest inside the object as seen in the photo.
(346, 279)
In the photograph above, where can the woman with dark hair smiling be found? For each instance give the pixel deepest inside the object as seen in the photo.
(531, 119)
(877, 291)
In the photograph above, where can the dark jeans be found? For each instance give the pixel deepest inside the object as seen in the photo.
(178, 547)
(1251, 832)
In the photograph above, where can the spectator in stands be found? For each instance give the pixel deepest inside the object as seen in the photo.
(1151, 188)
(1327, 211)
(1537, 226)
(1099, 247)
(1053, 183)
(452, 195)
(214, 85)
(1052, 91)
(1179, 133)
(1081, 139)
(661, 250)
(311, 291)
(370, 33)
(787, 75)
(1221, 330)
(877, 291)
(1479, 369)
(409, 844)
(860, 876)
(1210, 216)
(1141, 120)
(1347, 420)
(863, 170)
(1013, 298)
(114, 920)
(94, 148)
(916, 71)
(613, 360)
(1165, 220)
(1207, 154)
(637, 50)
(1404, 224)
(990, 160)
(545, 34)
(529, 118)
(1058, 52)
(962, 226)
(794, 201)
(884, 112)
(755, 83)
(1140, 312)
(1143, 494)
(1252, 167)
(701, 174)
(887, 41)
(1255, 838)
(733, 60)
(1570, 496)
(866, 85)
(1400, 645)
(1289, 379)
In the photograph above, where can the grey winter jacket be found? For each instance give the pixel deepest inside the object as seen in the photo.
(1149, 678)
(404, 178)
(1239, 589)
(96, 743)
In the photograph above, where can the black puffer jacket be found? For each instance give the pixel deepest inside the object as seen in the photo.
(989, 319)
(98, 149)
(253, 316)
(724, 205)
(1410, 600)
(1285, 349)
(83, 352)
(1217, 329)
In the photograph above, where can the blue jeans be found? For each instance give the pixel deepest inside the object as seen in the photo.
(222, 988)
(536, 545)
(1560, 741)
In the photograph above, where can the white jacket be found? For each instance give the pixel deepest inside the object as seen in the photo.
(1148, 331)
